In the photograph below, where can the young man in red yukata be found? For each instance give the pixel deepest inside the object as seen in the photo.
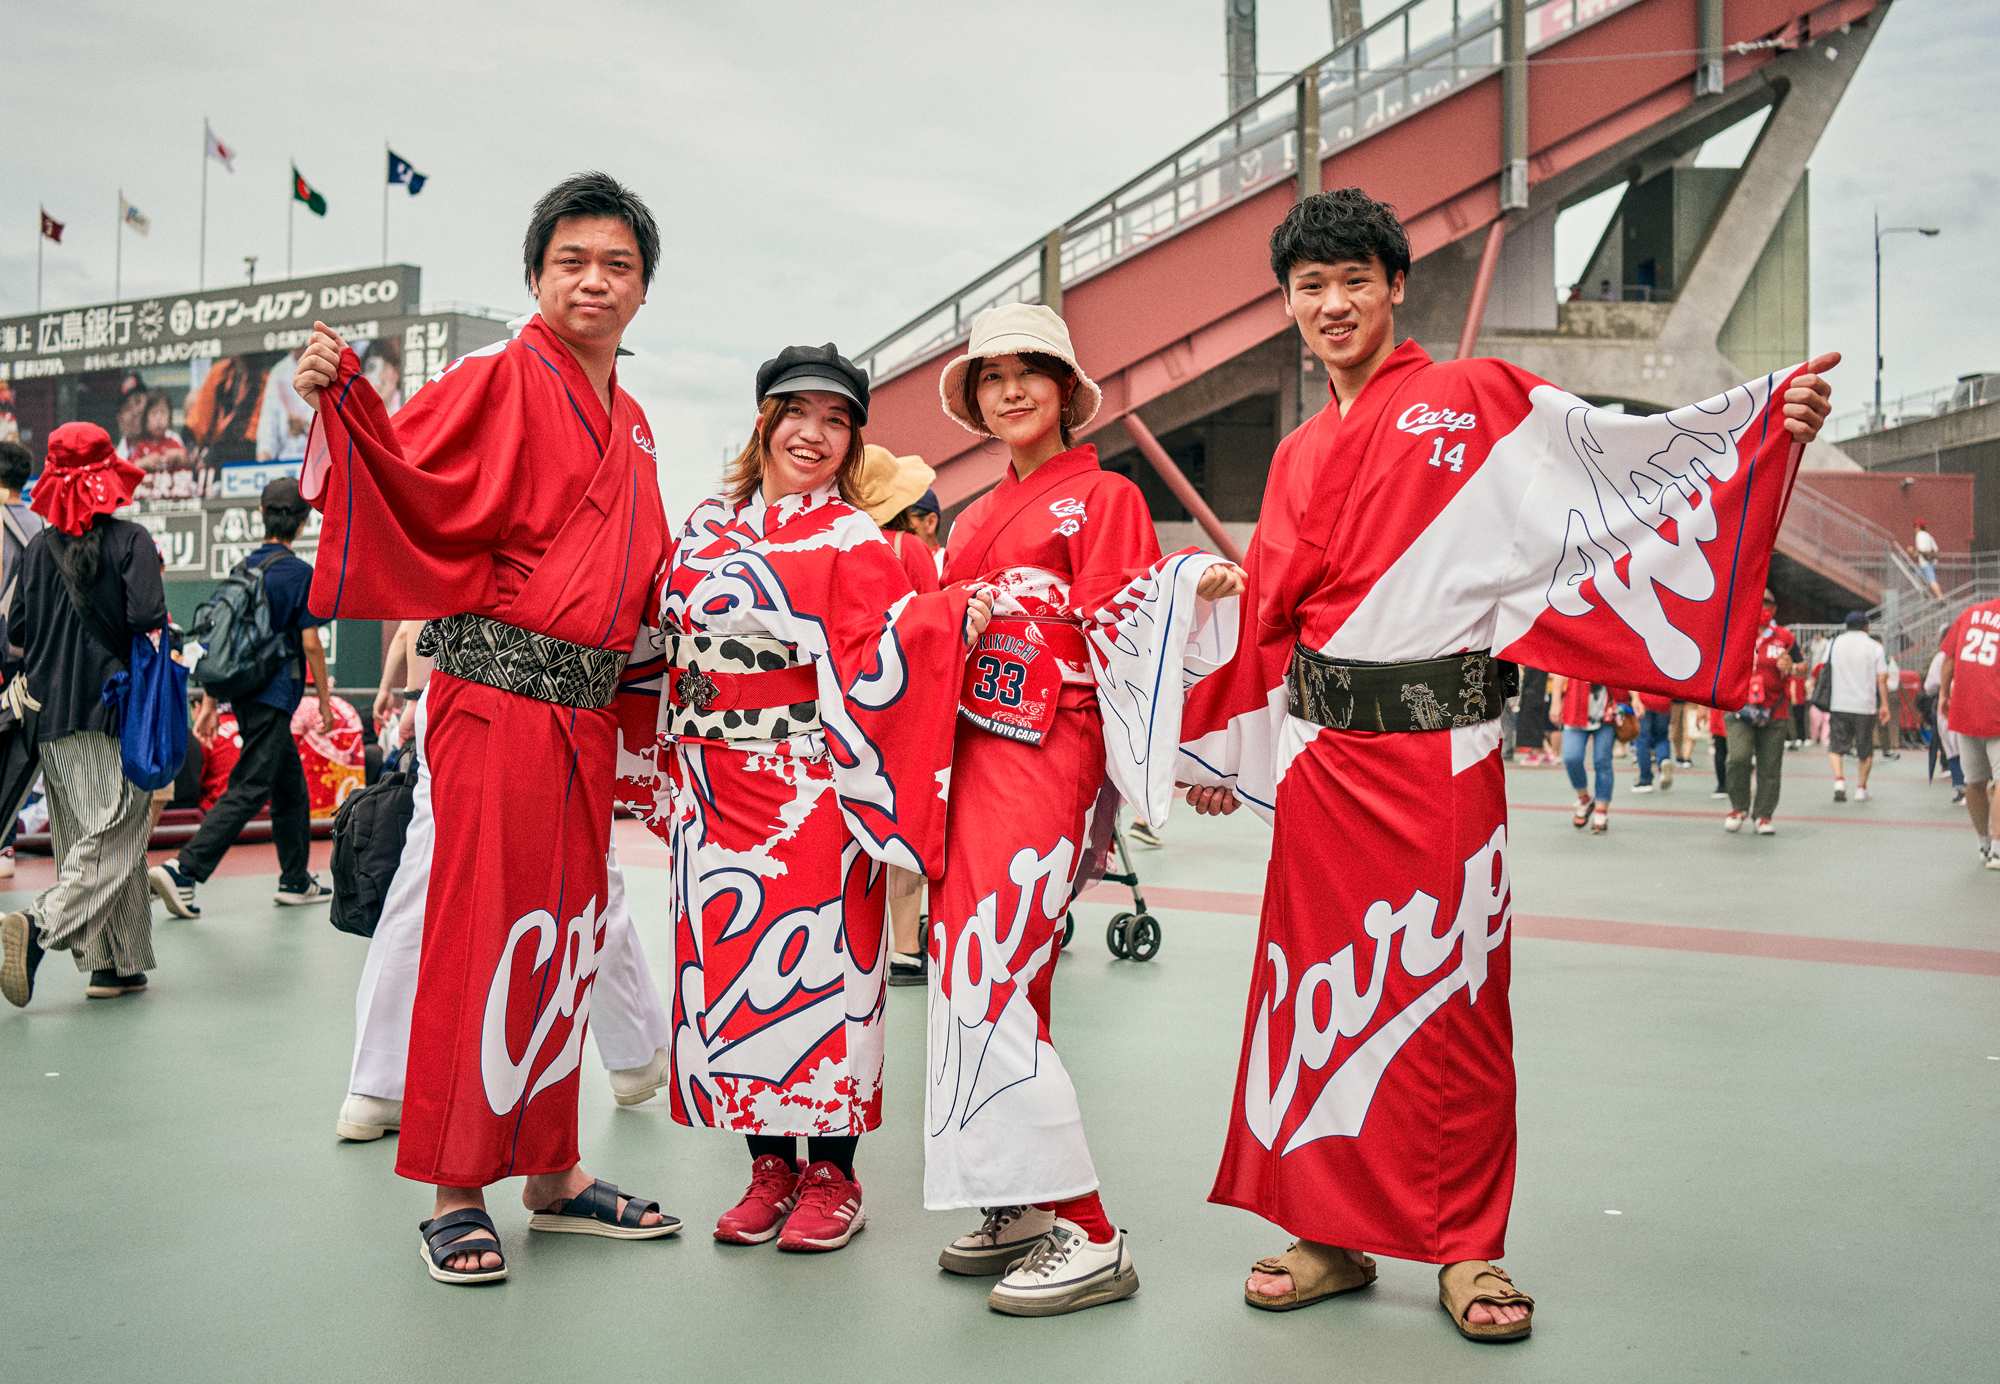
(1432, 521)
(514, 505)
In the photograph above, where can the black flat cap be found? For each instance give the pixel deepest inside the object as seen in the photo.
(797, 369)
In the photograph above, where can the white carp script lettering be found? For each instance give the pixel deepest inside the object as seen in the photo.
(1418, 419)
(1342, 1105)
(567, 994)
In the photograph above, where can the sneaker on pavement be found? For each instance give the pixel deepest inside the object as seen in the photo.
(1734, 821)
(1006, 1235)
(1764, 827)
(905, 969)
(1666, 775)
(829, 1210)
(1720, 793)
(632, 1085)
(1144, 834)
(107, 984)
(312, 891)
(774, 1191)
(1861, 795)
(367, 1117)
(20, 958)
(173, 889)
(1958, 797)
(1065, 1272)
(1840, 790)
(1993, 861)
(1642, 788)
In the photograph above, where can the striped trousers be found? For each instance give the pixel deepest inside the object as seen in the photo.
(99, 907)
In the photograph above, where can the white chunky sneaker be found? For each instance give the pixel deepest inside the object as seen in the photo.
(367, 1117)
(1861, 795)
(1065, 1272)
(632, 1085)
(1007, 1234)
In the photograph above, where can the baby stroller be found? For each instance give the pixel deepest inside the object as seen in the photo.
(1133, 936)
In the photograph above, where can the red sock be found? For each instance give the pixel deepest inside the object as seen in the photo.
(1088, 1212)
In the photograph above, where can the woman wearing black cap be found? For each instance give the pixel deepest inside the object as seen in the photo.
(809, 700)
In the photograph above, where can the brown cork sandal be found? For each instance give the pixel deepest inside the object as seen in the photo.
(1318, 1273)
(1474, 1280)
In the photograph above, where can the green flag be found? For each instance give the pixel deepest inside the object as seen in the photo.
(302, 192)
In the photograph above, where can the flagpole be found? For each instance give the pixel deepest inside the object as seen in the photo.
(118, 272)
(39, 238)
(385, 202)
(201, 278)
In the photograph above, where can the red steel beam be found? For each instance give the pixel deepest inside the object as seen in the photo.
(1475, 311)
(1150, 448)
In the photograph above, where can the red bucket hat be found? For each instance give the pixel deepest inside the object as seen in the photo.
(82, 477)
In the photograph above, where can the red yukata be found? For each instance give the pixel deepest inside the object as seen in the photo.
(1457, 507)
(781, 845)
(1060, 548)
(502, 490)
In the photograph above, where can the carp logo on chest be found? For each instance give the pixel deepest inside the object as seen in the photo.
(1422, 418)
(565, 994)
(1341, 1107)
(644, 443)
(1070, 516)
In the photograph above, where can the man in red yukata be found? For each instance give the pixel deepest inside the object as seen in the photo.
(1431, 522)
(514, 505)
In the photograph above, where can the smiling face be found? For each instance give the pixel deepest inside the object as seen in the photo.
(1345, 312)
(591, 283)
(806, 442)
(1020, 401)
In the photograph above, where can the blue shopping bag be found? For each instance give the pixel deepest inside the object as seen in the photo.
(150, 696)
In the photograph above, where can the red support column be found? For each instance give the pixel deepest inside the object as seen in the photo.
(1150, 448)
(1475, 312)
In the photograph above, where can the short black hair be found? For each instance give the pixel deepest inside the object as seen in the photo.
(17, 463)
(591, 194)
(1330, 227)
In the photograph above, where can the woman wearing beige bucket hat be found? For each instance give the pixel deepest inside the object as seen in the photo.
(1067, 549)
(806, 718)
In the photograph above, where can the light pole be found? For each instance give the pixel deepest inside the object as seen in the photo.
(1880, 231)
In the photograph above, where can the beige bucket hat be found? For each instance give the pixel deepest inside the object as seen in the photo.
(890, 484)
(1009, 330)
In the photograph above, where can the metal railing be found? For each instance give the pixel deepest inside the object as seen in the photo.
(1417, 54)
(1970, 392)
(1839, 537)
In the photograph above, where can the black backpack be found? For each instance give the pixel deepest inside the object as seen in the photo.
(241, 652)
(368, 835)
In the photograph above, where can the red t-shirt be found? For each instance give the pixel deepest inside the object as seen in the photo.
(1973, 645)
(1767, 685)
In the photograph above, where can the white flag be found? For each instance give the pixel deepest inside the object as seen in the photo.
(133, 217)
(217, 150)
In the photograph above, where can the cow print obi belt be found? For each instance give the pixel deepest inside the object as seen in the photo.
(496, 654)
(1431, 694)
(739, 687)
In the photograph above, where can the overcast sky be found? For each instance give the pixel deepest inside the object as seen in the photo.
(819, 171)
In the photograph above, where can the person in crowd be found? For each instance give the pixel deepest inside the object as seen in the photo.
(1651, 749)
(1946, 742)
(1860, 700)
(1718, 739)
(1373, 575)
(1683, 728)
(514, 505)
(1889, 729)
(808, 702)
(1969, 697)
(1756, 732)
(1590, 728)
(1924, 549)
(88, 585)
(1532, 723)
(269, 770)
(20, 524)
(1798, 688)
(896, 489)
(1055, 700)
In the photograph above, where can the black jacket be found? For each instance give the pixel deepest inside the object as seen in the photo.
(64, 663)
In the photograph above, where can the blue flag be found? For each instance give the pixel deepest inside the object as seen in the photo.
(401, 171)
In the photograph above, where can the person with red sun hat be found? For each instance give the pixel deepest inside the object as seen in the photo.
(88, 584)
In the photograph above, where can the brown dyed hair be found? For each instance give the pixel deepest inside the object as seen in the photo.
(743, 476)
(1055, 367)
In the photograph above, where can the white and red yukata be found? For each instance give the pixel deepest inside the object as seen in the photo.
(781, 846)
(502, 490)
(1083, 668)
(1457, 507)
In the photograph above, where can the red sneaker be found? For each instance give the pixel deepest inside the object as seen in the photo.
(829, 1211)
(774, 1191)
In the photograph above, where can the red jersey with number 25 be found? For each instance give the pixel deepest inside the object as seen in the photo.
(1974, 646)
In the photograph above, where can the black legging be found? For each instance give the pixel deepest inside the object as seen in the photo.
(837, 1149)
